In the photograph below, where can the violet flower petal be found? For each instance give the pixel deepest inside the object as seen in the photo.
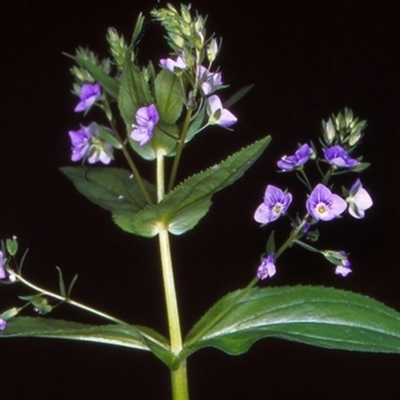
(3, 273)
(324, 205)
(267, 267)
(147, 118)
(275, 204)
(301, 156)
(339, 157)
(3, 324)
(225, 118)
(88, 95)
(359, 200)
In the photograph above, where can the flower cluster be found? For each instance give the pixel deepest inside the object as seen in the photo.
(209, 82)
(88, 143)
(321, 203)
(152, 103)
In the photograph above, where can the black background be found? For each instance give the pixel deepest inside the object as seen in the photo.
(308, 60)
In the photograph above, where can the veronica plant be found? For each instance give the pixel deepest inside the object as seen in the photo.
(154, 112)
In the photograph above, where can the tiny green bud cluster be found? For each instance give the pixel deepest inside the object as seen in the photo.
(343, 129)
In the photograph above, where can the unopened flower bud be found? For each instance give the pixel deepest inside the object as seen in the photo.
(212, 50)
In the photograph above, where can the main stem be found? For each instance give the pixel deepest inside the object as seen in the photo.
(178, 375)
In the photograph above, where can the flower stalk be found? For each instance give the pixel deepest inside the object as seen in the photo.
(68, 300)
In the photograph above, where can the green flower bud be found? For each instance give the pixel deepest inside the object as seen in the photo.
(12, 246)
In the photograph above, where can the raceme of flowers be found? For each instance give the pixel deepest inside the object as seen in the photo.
(88, 144)
(321, 204)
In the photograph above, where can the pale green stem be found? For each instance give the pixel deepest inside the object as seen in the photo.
(291, 238)
(179, 150)
(160, 175)
(186, 123)
(179, 382)
(68, 301)
(328, 175)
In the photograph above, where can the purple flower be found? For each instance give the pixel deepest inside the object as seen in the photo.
(146, 119)
(267, 267)
(338, 156)
(359, 200)
(87, 143)
(218, 115)
(302, 155)
(3, 324)
(343, 268)
(324, 205)
(210, 81)
(88, 95)
(276, 202)
(174, 66)
(3, 273)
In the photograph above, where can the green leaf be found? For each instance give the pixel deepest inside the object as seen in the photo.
(133, 93)
(183, 207)
(130, 336)
(196, 125)
(169, 96)
(109, 84)
(113, 189)
(238, 95)
(318, 316)
(138, 29)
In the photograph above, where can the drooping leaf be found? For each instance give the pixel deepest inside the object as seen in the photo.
(130, 336)
(113, 189)
(169, 96)
(183, 207)
(318, 316)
